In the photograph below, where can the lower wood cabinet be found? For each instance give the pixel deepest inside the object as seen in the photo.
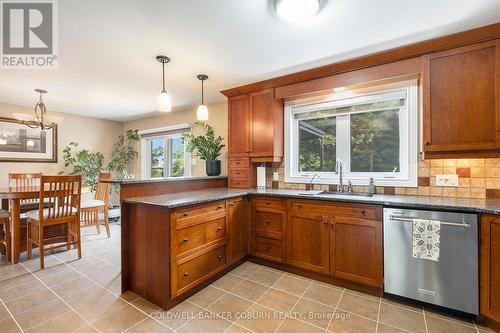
(238, 229)
(490, 267)
(337, 239)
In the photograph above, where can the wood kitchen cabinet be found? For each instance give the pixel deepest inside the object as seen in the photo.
(490, 267)
(239, 123)
(268, 228)
(238, 229)
(461, 102)
(342, 240)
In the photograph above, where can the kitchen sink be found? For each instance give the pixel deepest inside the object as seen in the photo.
(347, 194)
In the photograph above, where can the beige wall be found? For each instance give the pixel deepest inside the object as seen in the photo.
(217, 119)
(90, 133)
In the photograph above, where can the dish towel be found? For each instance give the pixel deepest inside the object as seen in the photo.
(426, 239)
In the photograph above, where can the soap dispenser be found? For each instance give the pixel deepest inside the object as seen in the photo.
(371, 186)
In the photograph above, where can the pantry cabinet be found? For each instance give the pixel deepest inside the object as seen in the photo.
(461, 102)
(490, 267)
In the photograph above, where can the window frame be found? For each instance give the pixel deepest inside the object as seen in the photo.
(167, 168)
(408, 125)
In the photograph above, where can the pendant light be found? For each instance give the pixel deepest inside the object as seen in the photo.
(40, 119)
(164, 100)
(296, 11)
(202, 113)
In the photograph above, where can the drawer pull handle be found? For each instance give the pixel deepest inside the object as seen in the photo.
(332, 224)
(186, 274)
(363, 212)
(299, 205)
(185, 239)
(268, 222)
(268, 246)
(237, 162)
(325, 222)
(268, 203)
(238, 173)
(427, 143)
(237, 183)
(185, 214)
(219, 257)
(219, 228)
(231, 204)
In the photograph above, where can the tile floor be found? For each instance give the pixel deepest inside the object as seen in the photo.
(84, 296)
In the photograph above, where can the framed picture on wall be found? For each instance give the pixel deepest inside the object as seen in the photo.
(20, 143)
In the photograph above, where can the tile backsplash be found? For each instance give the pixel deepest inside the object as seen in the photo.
(477, 178)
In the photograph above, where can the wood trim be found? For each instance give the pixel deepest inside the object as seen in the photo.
(405, 69)
(484, 33)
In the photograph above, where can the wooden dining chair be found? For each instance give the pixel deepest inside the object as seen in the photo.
(90, 210)
(63, 197)
(5, 231)
(26, 180)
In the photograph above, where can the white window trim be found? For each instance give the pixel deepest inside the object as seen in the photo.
(145, 154)
(408, 142)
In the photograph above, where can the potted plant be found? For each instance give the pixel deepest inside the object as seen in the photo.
(208, 147)
(84, 163)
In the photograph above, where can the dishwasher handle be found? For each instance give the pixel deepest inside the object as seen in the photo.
(409, 219)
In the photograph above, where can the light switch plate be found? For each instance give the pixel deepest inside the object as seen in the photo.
(276, 176)
(447, 180)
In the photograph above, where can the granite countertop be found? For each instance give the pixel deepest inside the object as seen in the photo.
(175, 200)
(160, 180)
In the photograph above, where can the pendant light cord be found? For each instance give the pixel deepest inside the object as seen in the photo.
(163, 73)
(202, 95)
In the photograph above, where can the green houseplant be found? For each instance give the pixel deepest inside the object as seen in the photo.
(208, 147)
(83, 162)
(123, 153)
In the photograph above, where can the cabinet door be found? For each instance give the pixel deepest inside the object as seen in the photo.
(262, 127)
(238, 228)
(490, 267)
(356, 250)
(239, 124)
(461, 111)
(308, 241)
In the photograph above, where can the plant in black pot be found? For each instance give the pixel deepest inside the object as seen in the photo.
(207, 146)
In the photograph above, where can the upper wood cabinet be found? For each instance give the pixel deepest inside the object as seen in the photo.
(490, 267)
(256, 126)
(461, 101)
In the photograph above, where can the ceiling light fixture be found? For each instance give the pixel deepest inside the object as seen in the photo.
(40, 118)
(296, 11)
(164, 100)
(202, 113)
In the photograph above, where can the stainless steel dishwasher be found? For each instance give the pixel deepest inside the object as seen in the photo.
(451, 282)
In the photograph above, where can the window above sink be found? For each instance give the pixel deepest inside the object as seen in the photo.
(373, 131)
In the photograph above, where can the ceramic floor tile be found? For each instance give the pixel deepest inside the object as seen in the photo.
(278, 300)
(206, 296)
(250, 290)
(296, 326)
(438, 325)
(245, 270)
(344, 322)
(30, 301)
(9, 326)
(4, 314)
(67, 287)
(150, 326)
(118, 320)
(227, 282)
(85, 329)
(260, 319)
(100, 307)
(442, 315)
(266, 276)
(292, 285)
(237, 329)
(314, 313)
(146, 306)
(358, 305)
(230, 306)
(35, 315)
(66, 322)
(21, 290)
(323, 294)
(205, 325)
(402, 318)
(382, 328)
(84, 296)
(178, 315)
(16, 281)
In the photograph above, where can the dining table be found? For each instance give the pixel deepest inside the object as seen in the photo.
(11, 197)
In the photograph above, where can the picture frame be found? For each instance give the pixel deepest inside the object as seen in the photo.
(20, 143)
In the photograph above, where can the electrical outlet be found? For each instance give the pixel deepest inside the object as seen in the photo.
(447, 180)
(276, 176)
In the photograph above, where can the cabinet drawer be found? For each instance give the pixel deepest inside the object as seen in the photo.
(267, 221)
(201, 234)
(239, 162)
(268, 248)
(238, 173)
(238, 183)
(264, 202)
(198, 214)
(353, 210)
(192, 272)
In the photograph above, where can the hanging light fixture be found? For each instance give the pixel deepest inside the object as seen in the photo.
(164, 100)
(296, 11)
(202, 113)
(40, 119)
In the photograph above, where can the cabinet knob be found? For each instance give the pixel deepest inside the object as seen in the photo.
(219, 206)
(299, 205)
(268, 222)
(332, 224)
(219, 257)
(363, 212)
(237, 172)
(237, 162)
(185, 239)
(427, 143)
(231, 204)
(185, 214)
(237, 183)
(268, 203)
(325, 222)
(219, 228)
(268, 246)
(186, 274)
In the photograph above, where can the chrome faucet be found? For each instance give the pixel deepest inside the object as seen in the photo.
(311, 185)
(338, 171)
